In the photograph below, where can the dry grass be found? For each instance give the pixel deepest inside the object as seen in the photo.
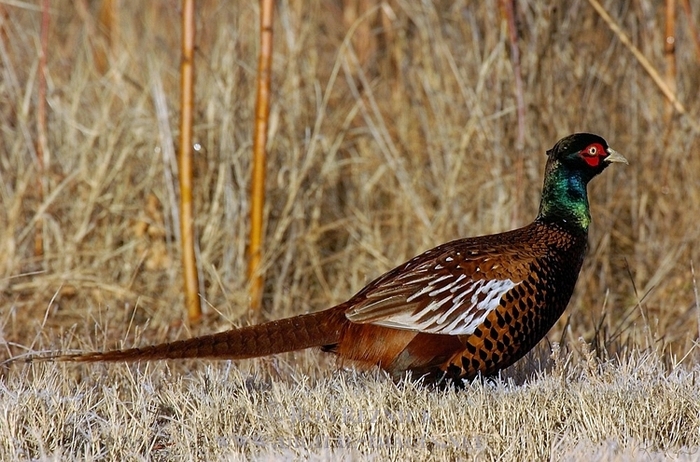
(276, 410)
(369, 165)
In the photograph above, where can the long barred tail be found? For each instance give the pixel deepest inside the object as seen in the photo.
(296, 333)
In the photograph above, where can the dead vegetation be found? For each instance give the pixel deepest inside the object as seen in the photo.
(630, 409)
(372, 160)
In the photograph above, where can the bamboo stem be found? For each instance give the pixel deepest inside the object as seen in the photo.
(257, 193)
(189, 259)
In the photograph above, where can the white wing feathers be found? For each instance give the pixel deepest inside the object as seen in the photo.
(436, 302)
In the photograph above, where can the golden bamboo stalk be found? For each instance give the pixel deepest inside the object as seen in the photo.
(257, 193)
(189, 259)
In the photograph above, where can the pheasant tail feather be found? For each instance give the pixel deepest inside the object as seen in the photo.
(296, 333)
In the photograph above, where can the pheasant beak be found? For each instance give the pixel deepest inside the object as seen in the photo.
(614, 156)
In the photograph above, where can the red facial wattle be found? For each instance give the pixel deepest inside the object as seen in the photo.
(593, 154)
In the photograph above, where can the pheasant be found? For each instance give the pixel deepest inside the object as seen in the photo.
(468, 307)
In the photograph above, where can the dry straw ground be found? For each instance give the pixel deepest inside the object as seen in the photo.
(370, 163)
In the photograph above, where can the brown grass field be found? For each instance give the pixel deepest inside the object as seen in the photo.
(375, 154)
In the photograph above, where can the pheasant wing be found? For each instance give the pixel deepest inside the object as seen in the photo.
(447, 290)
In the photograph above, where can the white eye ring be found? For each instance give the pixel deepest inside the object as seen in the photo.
(593, 150)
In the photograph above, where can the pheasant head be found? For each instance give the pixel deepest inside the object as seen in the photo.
(572, 163)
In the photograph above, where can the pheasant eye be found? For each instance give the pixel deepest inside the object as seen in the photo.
(593, 150)
(593, 154)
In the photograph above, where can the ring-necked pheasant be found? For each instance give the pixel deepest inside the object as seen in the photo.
(469, 306)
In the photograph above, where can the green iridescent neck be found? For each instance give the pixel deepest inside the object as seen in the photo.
(564, 198)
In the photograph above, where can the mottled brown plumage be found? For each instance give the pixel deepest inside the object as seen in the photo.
(469, 306)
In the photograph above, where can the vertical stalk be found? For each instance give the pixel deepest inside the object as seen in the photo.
(509, 13)
(105, 43)
(257, 193)
(670, 52)
(189, 259)
(4, 19)
(692, 26)
(42, 151)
